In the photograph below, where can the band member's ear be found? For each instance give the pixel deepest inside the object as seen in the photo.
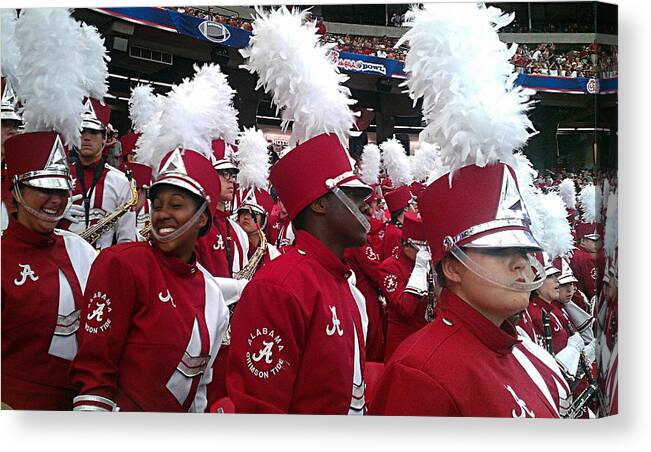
(319, 206)
(451, 269)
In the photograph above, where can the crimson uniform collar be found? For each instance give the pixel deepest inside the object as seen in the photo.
(176, 265)
(221, 214)
(21, 233)
(501, 340)
(306, 243)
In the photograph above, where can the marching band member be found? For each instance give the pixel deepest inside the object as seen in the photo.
(400, 199)
(281, 232)
(100, 188)
(43, 278)
(405, 285)
(149, 343)
(44, 270)
(302, 310)
(480, 240)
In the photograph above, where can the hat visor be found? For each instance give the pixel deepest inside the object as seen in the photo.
(225, 165)
(551, 271)
(49, 182)
(508, 238)
(257, 208)
(92, 125)
(567, 279)
(10, 116)
(592, 236)
(355, 182)
(180, 183)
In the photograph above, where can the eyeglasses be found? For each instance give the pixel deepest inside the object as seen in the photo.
(227, 174)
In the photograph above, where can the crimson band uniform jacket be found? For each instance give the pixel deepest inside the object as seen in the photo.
(584, 267)
(43, 278)
(147, 343)
(226, 243)
(111, 191)
(405, 310)
(559, 323)
(297, 343)
(365, 262)
(463, 365)
(391, 241)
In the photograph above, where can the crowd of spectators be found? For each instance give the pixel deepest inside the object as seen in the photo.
(592, 60)
(544, 59)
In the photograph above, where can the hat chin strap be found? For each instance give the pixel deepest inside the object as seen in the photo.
(37, 213)
(514, 286)
(352, 208)
(183, 229)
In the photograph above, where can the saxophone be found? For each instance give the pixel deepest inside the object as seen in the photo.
(246, 273)
(93, 233)
(250, 268)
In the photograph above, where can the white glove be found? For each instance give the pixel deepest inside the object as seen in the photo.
(74, 211)
(417, 283)
(568, 358)
(231, 289)
(590, 352)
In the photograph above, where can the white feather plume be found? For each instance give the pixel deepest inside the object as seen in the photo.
(10, 54)
(253, 159)
(568, 193)
(598, 204)
(588, 204)
(292, 64)
(143, 106)
(96, 58)
(531, 195)
(557, 237)
(193, 114)
(51, 72)
(370, 165)
(461, 69)
(611, 227)
(396, 163)
(425, 159)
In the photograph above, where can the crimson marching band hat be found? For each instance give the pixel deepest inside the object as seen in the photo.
(398, 199)
(38, 159)
(9, 103)
(567, 276)
(128, 142)
(590, 231)
(299, 178)
(412, 229)
(258, 201)
(141, 174)
(417, 188)
(480, 207)
(552, 267)
(190, 170)
(223, 160)
(96, 116)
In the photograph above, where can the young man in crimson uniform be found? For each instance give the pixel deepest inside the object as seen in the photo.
(99, 188)
(405, 284)
(398, 202)
(469, 361)
(299, 330)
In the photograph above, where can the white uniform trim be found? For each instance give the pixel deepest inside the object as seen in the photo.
(116, 192)
(244, 241)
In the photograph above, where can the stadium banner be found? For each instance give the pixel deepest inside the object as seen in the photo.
(367, 64)
(206, 30)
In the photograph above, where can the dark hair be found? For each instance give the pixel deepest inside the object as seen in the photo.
(440, 277)
(395, 215)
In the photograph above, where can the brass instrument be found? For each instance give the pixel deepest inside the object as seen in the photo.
(146, 232)
(246, 273)
(93, 233)
(250, 268)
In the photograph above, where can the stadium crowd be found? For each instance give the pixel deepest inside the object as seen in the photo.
(543, 59)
